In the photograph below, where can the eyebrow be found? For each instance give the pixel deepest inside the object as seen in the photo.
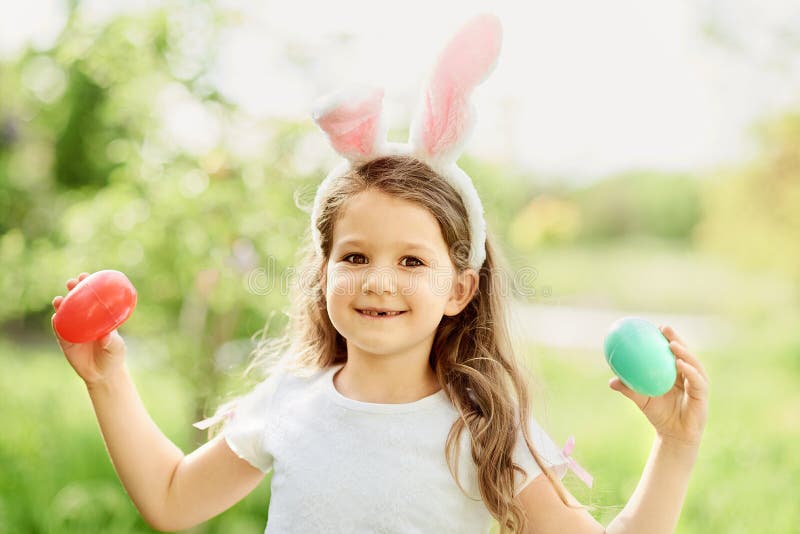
(406, 244)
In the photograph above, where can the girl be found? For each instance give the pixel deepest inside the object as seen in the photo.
(394, 402)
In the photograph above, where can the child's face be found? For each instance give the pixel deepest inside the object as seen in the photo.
(383, 271)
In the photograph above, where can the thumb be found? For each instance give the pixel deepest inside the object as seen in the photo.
(617, 385)
(112, 342)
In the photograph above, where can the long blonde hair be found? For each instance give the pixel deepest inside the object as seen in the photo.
(472, 354)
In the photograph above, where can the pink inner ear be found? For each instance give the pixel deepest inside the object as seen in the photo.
(360, 137)
(443, 123)
(352, 127)
(464, 63)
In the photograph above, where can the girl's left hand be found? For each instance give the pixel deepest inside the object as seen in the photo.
(681, 413)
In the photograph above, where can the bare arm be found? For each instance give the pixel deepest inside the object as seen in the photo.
(679, 417)
(170, 490)
(654, 507)
(206, 483)
(656, 503)
(547, 513)
(143, 457)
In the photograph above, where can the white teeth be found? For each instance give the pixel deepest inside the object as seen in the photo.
(375, 314)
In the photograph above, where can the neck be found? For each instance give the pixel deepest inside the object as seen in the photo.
(385, 379)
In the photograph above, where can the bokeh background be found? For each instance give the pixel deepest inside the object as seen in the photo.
(633, 160)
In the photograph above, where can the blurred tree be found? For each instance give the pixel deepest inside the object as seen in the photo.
(644, 202)
(94, 176)
(546, 220)
(753, 210)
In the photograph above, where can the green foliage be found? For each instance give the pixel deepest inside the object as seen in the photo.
(754, 210)
(91, 178)
(656, 204)
(650, 205)
(93, 182)
(503, 191)
(545, 221)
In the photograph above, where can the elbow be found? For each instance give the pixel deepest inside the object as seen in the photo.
(162, 526)
(162, 518)
(165, 523)
(152, 520)
(158, 524)
(162, 523)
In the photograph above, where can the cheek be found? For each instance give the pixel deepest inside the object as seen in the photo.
(429, 285)
(340, 283)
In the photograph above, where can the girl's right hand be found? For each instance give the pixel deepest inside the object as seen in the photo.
(94, 361)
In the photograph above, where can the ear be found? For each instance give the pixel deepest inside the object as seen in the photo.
(351, 118)
(445, 117)
(465, 285)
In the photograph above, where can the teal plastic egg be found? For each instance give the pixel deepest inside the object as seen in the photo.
(639, 354)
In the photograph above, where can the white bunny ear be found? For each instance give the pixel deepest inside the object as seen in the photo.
(352, 120)
(444, 117)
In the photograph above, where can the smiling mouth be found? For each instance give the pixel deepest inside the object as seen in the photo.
(377, 315)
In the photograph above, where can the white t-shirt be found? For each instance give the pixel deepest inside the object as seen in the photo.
(347, 466)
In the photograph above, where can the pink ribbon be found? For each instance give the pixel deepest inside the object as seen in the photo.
(214, 419)
(582, 473)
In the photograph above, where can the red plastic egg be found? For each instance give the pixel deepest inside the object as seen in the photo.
(95, 306)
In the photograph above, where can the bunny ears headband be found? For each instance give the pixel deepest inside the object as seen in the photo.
(354, 125)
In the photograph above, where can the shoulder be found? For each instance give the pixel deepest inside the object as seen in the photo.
(293, 377)
(288, 384)
(546, 448)
(285, 373)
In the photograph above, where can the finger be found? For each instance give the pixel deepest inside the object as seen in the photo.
(696, 385)
(57, 302)
(672, 335)
(64, 344)
(112, 342)
(640, 400)
(680, 352)
(72, 282)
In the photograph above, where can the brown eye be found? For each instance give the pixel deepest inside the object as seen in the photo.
(358, 255)
(419, 262)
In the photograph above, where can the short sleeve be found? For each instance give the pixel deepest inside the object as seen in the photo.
(244, 431)
(547, 450)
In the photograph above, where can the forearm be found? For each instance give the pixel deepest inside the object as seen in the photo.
(143, 457)
(656, 502)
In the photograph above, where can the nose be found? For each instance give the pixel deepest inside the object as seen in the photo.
(379, 280)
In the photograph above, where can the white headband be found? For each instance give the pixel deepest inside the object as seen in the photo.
(352, 120)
